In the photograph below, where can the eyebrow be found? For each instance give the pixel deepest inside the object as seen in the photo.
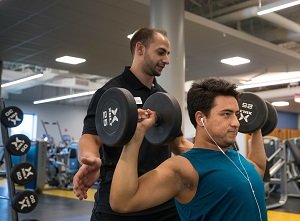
(229, 110)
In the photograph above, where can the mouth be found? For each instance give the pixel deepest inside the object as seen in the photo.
(234, 132)
(161, 66)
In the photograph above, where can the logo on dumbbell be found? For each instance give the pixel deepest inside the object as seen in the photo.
(110, 116)
(27, 201)
(245, 114)
(24, 173)
(12, 116)
(20, 145)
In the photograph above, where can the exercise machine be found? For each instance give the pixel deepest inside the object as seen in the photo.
(293, 162)
(276, 165)
(61, 162)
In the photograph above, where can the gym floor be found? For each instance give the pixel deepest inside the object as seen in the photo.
(62, 205)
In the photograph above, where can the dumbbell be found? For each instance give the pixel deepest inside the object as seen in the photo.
(11, 116)
(25, 201)
(255, 114)
(18, 144)
(22, 173)
(117, 117)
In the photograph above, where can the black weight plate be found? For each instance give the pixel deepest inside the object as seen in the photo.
(169, 118)
(25, 201)
(253, 112)
(116, 117)
(11, 116)
(22, 173)
(272, 120)
(18, 144)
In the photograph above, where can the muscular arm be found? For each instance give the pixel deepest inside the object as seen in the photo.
(131, 193)
(257, 154)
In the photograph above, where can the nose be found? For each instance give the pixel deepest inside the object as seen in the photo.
(236, 122)
(166, 59)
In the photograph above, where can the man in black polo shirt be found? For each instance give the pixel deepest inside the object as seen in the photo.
(150, 49)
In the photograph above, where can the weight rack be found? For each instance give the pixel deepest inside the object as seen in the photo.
(13, 197)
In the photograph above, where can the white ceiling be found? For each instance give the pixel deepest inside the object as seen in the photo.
(38, 31)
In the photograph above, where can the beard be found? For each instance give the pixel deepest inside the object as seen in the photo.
(151, 67)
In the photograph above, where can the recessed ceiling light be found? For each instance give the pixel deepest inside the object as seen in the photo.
(280, 103)
(70, 60)
(235, 61)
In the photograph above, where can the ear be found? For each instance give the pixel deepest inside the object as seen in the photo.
(198, 116)
(139, 48)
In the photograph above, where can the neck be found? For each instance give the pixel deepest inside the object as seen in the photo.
(209, 146)
(146, 79)
(206, 142)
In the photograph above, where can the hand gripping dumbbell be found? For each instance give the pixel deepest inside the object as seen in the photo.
(255, 114)
(117, 117)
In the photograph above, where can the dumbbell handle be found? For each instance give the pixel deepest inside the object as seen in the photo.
(157, 119)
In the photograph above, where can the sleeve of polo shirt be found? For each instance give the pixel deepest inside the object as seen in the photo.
(89, 125)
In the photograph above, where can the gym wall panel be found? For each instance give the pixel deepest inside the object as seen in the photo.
(287, 120)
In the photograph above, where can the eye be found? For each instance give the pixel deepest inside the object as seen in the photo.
(161, 53)
(226, 114)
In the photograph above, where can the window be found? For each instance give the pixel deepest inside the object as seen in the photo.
(28, 126)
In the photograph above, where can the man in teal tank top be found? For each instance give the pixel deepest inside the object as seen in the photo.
(210, 182)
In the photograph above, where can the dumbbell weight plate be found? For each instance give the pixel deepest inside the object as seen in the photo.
(169, 118)
(22, 173)
(25, 201)
(116, 117)
(18, 144)
(11, 116)
(272, 120)
(253, 112)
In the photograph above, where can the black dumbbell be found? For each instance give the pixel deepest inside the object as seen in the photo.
(11, 116)
(116, 117)
(18, 144)
(255, 114)
(25, 201)
(22, 173)
(271, 121)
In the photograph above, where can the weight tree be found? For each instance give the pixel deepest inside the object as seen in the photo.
(20, 173)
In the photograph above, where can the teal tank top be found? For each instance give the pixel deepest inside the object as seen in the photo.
(223, 193)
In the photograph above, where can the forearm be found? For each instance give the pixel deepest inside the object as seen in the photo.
(89, 146)
(257, 152)
(125, 179)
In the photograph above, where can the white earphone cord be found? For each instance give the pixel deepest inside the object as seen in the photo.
(245, 176)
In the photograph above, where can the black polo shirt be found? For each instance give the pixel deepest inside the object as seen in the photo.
(150, 156)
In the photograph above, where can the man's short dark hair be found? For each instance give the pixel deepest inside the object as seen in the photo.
(202, 94)
(145, 36)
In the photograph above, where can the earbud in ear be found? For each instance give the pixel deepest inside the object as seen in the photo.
(201, 119)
